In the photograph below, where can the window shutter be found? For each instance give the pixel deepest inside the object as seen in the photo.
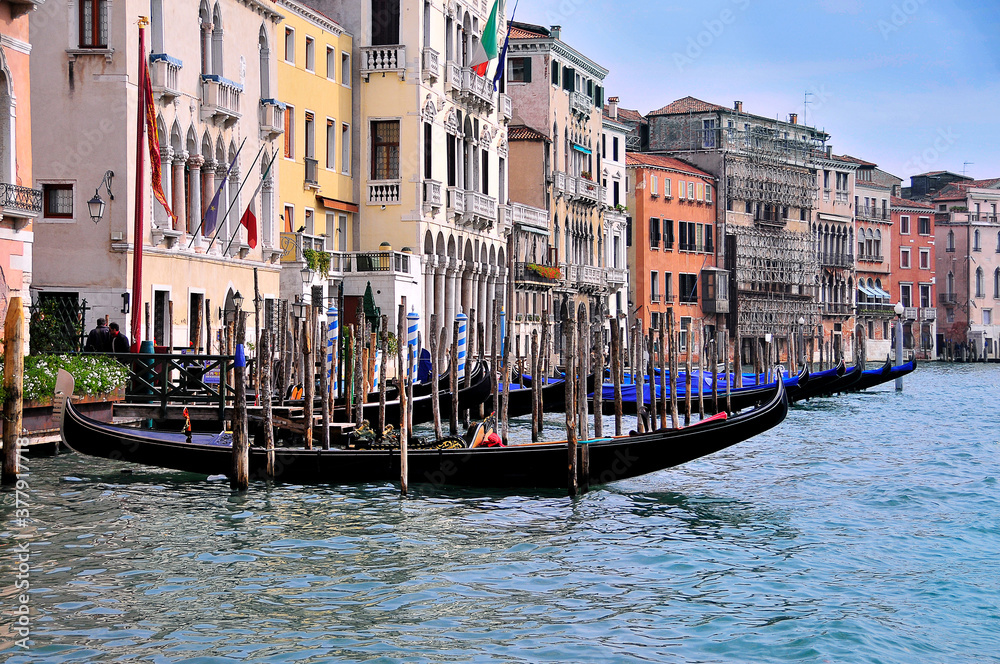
(555, 73)
(527, 69)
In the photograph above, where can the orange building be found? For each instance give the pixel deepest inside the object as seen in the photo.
(673, 243)
(19, 202)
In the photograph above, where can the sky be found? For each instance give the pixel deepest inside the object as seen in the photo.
(912, 85)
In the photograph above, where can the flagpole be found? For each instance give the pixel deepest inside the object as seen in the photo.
(137, 240)
(202, 224)
(218, 228)
(261, 184)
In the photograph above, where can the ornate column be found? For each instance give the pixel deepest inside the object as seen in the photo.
(178, 200)
(438, 310)
(466, 300)
(450, 293)
(206, 47)
(166, 157)
(428, 283)
(208, 191)
(194, 203)
(491, 304)
(483, 309)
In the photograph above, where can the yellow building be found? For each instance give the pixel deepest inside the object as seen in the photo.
(318, 208)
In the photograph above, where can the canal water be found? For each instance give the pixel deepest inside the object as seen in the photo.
(865, 528)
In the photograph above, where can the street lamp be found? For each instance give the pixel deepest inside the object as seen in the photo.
(96, 204)
(238, 301)
(899, 341)
(300, 309)
(802, 339)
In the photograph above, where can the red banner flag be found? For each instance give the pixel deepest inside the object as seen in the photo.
(153, 139)
(250, 222)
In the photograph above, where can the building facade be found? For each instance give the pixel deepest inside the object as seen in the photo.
(833, 233)
(215, 134)
(767, 191)
(967, 247)
(873, 229)
(319, 217)
(913, 274)
(672, 255)
(614, 136)
(430, 159)
(557, 92)
(20, 201)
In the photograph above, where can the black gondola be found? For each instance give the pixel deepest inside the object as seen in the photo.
(527, 466)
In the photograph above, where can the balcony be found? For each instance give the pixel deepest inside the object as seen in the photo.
(383, 192)
(580, 103)
(383, 60)
(378, 261)
(430, 64)
(559, 183)
(526, 215)
(871, 258)
(529, 278)
(295, 248)
(714, 291)
(432, 195)
(830, 259)
(948, 298)
(456, 201)
(481, 208)
(614, 217)
(910, 313)
(163, 74)
(272, 118)
(654, 298)
(19, 202)
(830, 309)
(928, 313)
(871, 213)
(220, 99)
(616, 277)
(476, 91)
(587, 191)
(312, 173)
(505, 221)
(590, 278)
(506, 107)
(876, 310)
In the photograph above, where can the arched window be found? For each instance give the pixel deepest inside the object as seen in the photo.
(996, 284)
(265, 64)
(976, 245)
(998, 242)
(878, 244)
(217, 40)
(205, 27)
(951, 241)
(980, 288)
(7, 132)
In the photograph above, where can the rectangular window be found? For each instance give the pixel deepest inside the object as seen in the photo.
(289, 132)
(701, 191)
(688, 288)
(555, 73)
(681, 190)
(924, 225)
(652, 186)
(385, 22)
(685, 323)
(310, 54)
(904, 225)
(987, 316)
(700, 240)
(289, 218)
(568, 78)
(385, 149)
(904, 258)
(708, 193)
(668, 287)
(906, 294)
(290, 46)
(310, 136)
(616, 195)
(925, 295)
(925, 259)
(709, 246)
(654, 286)
(310, 222)
(520, 70)
(93, 23)
(57, 201)
(331, 63)
(666, 187)
(614, 148)
(331, 144)
(345, 148)
(654, 233)
(668, 233)
(682, 233)
(428, 153)
(345, 68)
(691, 191)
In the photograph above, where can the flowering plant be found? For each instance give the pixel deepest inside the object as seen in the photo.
(93, 374)
(545, 271)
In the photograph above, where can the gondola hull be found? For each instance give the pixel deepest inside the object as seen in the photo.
(519, 466)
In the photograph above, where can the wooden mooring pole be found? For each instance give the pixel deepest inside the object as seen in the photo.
(616, 377)
(435, 368)
(570, 328)
(403, 381)
(264, 355)
(453, 379)
(674, 367)
(13, 383)
(241, 445)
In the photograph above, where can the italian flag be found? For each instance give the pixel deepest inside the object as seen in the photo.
(487, 47)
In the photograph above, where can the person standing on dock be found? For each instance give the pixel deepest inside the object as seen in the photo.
(99, 339)
(119, 342)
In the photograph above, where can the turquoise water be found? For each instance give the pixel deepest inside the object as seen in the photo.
(864, 529)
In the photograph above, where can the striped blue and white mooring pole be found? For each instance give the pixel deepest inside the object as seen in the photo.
(412, 324)
(333, 325)
(463, 339)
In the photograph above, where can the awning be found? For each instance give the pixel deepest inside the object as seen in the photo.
(580, 148)
(334, 204)
(864, 289)
(881, 293)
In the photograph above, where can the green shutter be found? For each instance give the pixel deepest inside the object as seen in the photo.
(555, 73)
(527, 70)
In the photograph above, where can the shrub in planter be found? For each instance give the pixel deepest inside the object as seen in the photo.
(93, 375)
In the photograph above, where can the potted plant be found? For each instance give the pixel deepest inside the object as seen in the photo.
(544, 271)
(586, 175)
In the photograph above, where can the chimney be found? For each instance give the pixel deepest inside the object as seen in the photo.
(793, 118)
(613, 108)
(829, 151)
(738, 106)
(554, 31)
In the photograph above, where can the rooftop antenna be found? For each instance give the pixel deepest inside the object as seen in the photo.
(965, 164)
(805, 107)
